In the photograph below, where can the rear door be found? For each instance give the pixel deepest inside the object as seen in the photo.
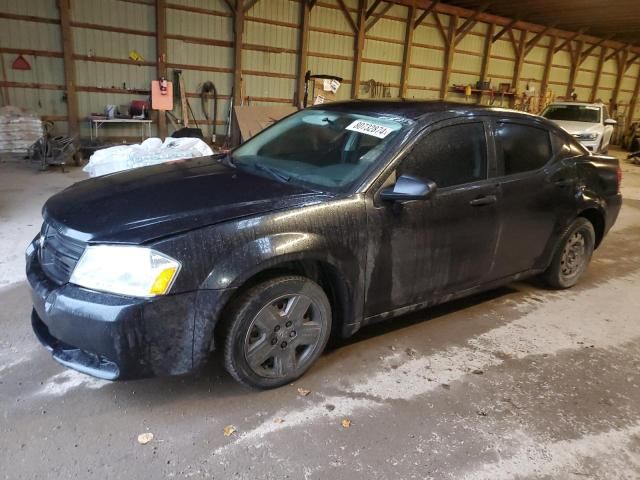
(419, 250)
(537, 188)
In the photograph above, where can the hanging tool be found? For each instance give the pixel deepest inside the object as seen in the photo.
(227, 140)
(207, 92)
(183, 97)
(308, 77)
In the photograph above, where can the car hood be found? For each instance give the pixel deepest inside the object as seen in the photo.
(579, 127)
(147, 203)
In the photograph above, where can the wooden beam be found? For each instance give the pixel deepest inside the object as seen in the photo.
(303, 48)
(634, 101)
(469, 23)
(517, 71)
(568, 41)
(615, 52)
(358, 47)
(347, 15)
(544, 85)
(378, 16)
(448, 55)
(249, 5)
(406, 53)
(64, 7)
(441, 29)
(620, 63)
(535, 40)
(505, 29)
(575, 66)
(238, 28)
(486, 52)
(161, 51)
(596, 79)
(230, 6)
(590, 49)
(426, 12)
(373, 7)
(631, 60)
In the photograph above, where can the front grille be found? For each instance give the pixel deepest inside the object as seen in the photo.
(59, 253)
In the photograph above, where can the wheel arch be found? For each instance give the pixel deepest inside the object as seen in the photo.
(596, 217)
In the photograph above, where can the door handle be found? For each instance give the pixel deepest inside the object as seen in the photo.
(486, 200)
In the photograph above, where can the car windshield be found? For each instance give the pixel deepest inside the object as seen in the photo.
(573, 113)
(322, 149)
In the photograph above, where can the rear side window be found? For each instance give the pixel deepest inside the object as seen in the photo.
(449, 156)
(522, 148)
(566, 147)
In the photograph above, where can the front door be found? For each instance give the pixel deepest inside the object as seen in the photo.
(419, 250)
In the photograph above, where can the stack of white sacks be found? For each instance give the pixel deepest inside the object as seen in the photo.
(19, 129)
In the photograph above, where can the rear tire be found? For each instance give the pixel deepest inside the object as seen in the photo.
(275, 331)
(572, 255)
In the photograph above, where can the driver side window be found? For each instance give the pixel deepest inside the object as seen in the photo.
(449, 156)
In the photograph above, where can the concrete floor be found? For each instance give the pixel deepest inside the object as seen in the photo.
(518, 383)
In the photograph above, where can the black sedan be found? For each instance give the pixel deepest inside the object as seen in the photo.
(335, 217)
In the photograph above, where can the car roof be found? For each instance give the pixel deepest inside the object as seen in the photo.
(416, 109)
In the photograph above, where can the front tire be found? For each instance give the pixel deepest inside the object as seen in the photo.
(572, 255)
(275, 331)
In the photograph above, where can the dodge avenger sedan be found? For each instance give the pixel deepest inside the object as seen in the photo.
(333, 218)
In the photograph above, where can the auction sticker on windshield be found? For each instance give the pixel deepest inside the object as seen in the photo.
(369, 128)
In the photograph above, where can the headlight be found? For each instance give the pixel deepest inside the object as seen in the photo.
(126, 270)
(586, 136)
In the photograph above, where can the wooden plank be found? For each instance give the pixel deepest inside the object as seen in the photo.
(486, 52)
(28, 18)
(303, 50)
(200, 41)
(535, 40)
(517, 72)
(203, 11)
(35, 53)
(161, 51)
(347, 15)
(568, 41)
(406, 53)
(598, 74)
(575, 66)
(506, 29)
(469, 23)
(544, 85)
(631, 61)
(377, 16)
(426, 12)
(620, 63)
(107, 28)
(448, 58)
(590, 49)
(358, 47)
(372, 8)
(69, 67)
(238, 28)
(634, 100)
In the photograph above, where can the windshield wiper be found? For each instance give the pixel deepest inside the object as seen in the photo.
(274, 172)
(225, 159)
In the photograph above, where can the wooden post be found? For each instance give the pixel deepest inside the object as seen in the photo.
(305, 12)
(358, 48)
(69, 68)
(621, 61)
(596, 80)
(544, 85)
(486, 53)
(576, 61)
(238, 28)
(634, 101)
(161, 52)
(406, 55)
(519, 49)
(448, 56)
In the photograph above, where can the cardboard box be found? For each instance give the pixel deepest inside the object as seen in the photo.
(250, 120)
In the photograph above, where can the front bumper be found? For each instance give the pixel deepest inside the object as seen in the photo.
(591, 145)
(117, 337)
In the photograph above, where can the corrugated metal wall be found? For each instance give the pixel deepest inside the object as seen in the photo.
(200, 43)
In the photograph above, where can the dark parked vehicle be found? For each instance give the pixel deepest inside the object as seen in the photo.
(335, 217)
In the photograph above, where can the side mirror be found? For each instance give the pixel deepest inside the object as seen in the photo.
(409, 188)
(610, 121)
